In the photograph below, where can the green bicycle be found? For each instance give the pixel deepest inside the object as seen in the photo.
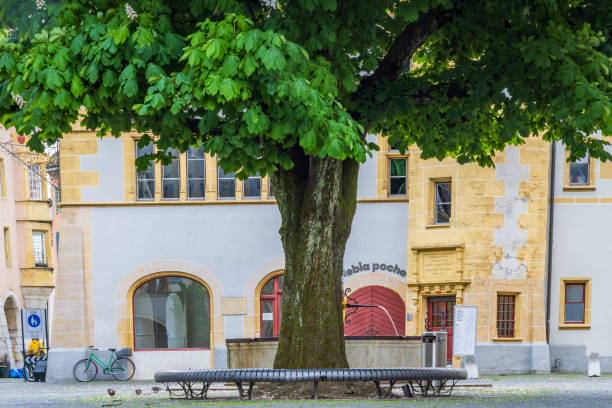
(119, 366)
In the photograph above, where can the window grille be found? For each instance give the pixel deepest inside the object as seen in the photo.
(505, 315)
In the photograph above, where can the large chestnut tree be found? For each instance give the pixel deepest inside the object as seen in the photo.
(291, 88)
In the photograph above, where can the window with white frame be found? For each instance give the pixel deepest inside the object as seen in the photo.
(38, 248)
(226, 184)
(196, 173)
(35, 182)
(442, 210)
(579, 171)
(145, 180)
(251, 187)
(171, 176)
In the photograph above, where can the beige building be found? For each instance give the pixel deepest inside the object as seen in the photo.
(174, 260)
(427, 235)
(477, 236)
(28, 251)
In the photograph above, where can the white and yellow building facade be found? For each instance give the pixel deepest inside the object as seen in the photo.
(427, 235)
(28, 247)
(580, 326)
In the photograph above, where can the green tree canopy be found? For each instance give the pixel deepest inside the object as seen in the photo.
(252, 79)
(292, 88)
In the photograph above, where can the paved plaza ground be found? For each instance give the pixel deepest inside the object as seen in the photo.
(567, 391)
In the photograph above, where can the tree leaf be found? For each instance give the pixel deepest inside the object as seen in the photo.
(274, 59)
(121, 34)
(228, 88)
(76, 86)
(53, 80)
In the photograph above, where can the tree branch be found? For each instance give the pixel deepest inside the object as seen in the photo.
(403, 48)
(194, 125)
(401, 51)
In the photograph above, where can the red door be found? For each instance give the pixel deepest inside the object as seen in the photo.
(440, 318)
(373, 321)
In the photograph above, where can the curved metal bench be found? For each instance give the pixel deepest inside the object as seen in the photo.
(427, 381)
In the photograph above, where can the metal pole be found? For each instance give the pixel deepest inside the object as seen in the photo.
(23, 353)
(551, 219)
(47, 326)
(22, 339)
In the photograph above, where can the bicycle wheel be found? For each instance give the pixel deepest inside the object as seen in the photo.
(123, 369)
(85, 370)
(28, 375)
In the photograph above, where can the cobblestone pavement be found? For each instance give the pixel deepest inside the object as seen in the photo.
(567, 391)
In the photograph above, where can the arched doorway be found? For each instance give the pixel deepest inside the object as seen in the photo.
(11, 312)
(171, 312)
(373, 321)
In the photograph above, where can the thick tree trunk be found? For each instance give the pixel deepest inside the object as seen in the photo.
(317, 201)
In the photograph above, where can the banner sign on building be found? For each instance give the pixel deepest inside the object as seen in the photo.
(464, 330)
(34, 323)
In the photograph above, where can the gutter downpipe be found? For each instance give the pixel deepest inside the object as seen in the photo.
(551, 209)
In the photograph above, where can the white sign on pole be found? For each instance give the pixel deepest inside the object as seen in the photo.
(34, 323)
(464, 330)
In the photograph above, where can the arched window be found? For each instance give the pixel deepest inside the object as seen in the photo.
(171, 313)
(270, 302)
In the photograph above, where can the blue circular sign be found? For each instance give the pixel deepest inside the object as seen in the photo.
(33, 320)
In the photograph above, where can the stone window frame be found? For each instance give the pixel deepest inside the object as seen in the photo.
(176, 160)
(257, 298)
(261, 185)
(518, 327)
(592, 184)
(383, 170)
(390, 158)
(237, 186)
(35, 182)
(45, 248)
(187, 160)
(210, 180)
(586, 281)
(431, 204)
(160, 275)
(152, 167)
(276, 299)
